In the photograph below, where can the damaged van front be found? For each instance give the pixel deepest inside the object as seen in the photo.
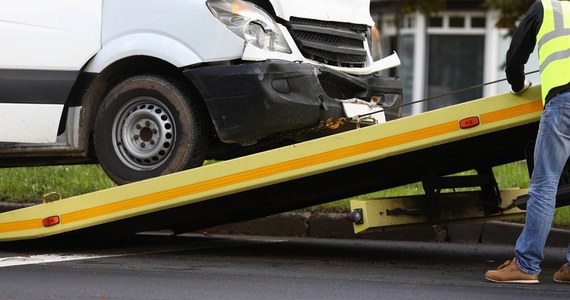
(305, 65)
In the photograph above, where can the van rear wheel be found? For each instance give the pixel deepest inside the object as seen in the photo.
(149, 126)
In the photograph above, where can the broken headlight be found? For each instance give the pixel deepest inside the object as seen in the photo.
(249, 22)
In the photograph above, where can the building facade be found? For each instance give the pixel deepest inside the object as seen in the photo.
(448, 57)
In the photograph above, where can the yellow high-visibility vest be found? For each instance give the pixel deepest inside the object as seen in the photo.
(553, 40)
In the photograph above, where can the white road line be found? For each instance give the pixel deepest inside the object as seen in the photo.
(55, 258)
(46, 258)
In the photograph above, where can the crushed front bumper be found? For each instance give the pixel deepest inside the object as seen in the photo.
(251, 101)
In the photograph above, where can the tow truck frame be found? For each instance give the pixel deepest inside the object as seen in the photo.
(428, 148)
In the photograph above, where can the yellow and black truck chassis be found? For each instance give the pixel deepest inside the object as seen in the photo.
(476, 135)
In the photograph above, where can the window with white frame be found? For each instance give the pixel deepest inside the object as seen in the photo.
(455, 58)
(452, 55)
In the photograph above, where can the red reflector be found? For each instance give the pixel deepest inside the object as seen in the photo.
(50, 221)
(469, 122)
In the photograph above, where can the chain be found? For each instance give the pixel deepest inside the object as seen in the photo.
(444, 95)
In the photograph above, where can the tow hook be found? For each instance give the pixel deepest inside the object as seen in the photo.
(331, 124)
(356, 216)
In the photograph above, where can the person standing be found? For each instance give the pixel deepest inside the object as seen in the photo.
(547, 26)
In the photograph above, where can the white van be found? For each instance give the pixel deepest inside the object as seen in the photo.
(149, 87)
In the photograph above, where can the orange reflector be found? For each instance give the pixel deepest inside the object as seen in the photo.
(469, 122)
(50, 221)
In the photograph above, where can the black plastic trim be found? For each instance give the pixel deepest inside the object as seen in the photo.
(36, 86)
(253, 100)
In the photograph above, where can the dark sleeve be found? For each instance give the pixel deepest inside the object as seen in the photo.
(522, 45)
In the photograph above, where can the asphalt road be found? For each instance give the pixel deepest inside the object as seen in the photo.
(155, 266)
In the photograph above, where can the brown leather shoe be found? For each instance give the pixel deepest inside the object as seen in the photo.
(562, 275)
(509, 272)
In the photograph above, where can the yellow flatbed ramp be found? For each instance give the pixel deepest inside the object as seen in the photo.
(322, 170)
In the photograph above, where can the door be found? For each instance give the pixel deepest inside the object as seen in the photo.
(45, 43)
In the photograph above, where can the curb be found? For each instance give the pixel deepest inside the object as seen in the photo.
(321, 225)
(8, 206)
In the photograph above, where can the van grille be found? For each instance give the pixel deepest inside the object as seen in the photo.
(332, 43)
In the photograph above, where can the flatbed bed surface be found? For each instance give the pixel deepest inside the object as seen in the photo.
(346, 164)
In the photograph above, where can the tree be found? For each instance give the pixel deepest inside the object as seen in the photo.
(425, 6)
(511, 11)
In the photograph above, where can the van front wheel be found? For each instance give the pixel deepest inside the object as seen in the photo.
(149, 126)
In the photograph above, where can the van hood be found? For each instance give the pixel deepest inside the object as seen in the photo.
(348, 11)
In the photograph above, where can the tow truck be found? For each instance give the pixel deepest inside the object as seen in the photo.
(432, 147)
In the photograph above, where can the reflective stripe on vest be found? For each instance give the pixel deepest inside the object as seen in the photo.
(553, 40)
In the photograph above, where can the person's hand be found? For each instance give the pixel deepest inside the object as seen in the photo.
(527, 84)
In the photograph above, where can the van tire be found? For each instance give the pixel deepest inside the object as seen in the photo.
(148, 126)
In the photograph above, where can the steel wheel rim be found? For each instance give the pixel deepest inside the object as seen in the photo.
(143, 133)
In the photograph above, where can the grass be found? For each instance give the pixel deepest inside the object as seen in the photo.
(32, 183)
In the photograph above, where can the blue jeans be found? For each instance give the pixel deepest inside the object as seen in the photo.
(551, 152)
